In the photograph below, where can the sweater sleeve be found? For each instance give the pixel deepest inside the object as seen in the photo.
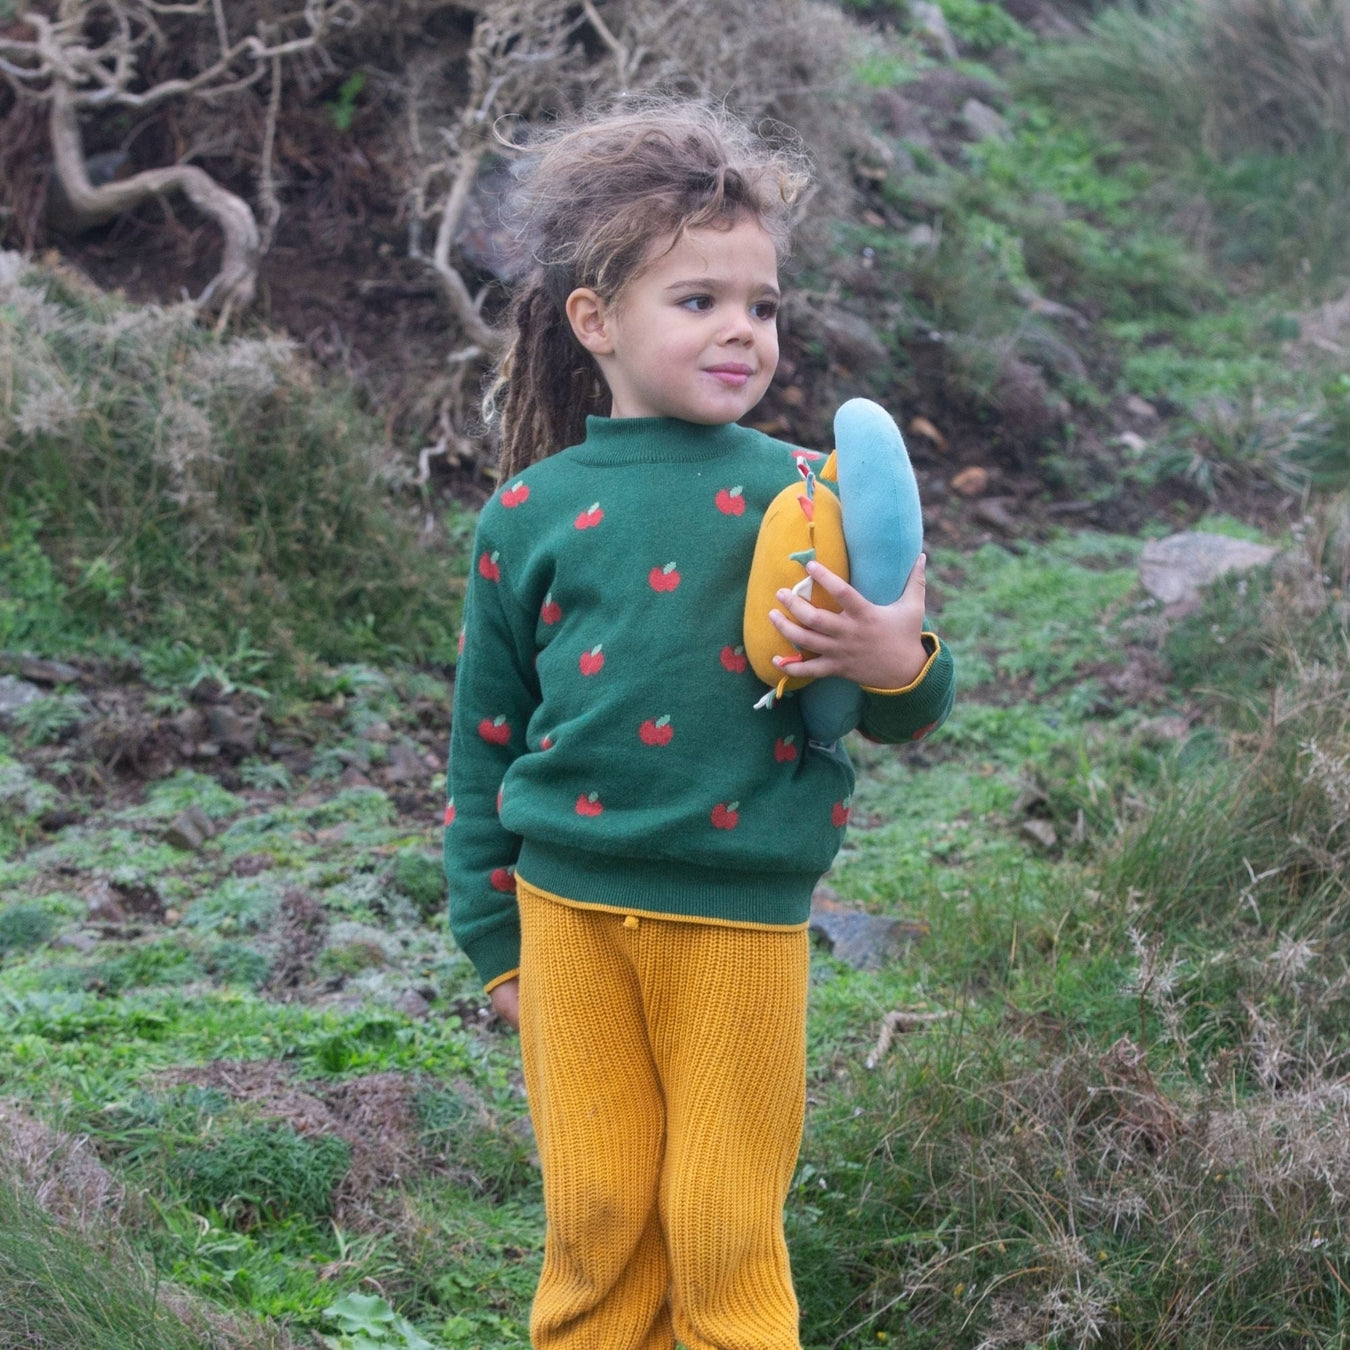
(495, 694)
(918, 710)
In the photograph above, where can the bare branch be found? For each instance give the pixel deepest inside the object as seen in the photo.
(234, 284)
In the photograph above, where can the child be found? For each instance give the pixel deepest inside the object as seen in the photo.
(631, 845)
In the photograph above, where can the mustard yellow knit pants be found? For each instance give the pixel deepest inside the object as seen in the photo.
(666, 1069)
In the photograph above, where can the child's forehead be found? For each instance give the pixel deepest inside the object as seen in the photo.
(742, 246)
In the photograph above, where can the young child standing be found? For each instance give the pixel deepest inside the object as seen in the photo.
(631, 845)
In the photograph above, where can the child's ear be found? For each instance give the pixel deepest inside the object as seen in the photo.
(590, 316)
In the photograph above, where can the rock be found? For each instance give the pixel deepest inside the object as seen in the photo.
(231, 730)
(1133, 442)
(994, 511)
(1176, 569)
(930, 24)
(16, 694)
(863, 941)
(1141, 409)
(79, 941)
(47, 672)
(103, 905)
(1042, 831)
(971, 482)
(190, 829)
(851, 339)
(983, 122)
(405, 763)
(411, 1004)
(352, 777)
(1298, 585)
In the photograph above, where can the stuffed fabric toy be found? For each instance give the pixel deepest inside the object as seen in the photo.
(871, 535)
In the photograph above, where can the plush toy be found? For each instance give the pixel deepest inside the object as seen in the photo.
(871, 535)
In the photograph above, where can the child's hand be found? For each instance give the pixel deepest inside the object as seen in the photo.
(506, 1001)
(878, 646)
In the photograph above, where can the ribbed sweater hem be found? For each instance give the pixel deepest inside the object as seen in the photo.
(663, 886)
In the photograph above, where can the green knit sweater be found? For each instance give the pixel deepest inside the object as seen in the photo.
(605, 742)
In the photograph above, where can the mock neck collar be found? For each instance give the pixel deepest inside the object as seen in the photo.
(655, 440)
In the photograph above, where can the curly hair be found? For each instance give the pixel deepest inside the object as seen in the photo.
(596, 196)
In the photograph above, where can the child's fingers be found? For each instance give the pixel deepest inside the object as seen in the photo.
(794, 632)
(835, 585)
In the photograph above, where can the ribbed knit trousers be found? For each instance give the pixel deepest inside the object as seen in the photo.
(666, 1071)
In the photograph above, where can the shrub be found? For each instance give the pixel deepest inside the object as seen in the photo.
(23, 927)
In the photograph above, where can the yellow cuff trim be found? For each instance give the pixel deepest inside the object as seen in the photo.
(933, 650)
(501, 979)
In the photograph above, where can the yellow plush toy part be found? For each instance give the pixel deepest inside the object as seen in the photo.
(801, 524)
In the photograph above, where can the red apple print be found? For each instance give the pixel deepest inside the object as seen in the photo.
(839, 814)
(656, 732)
(503, 879)
(725, 815)
(450, 812)
(785, 749)
(590, 517)
(807, 454)
(588, 804)
(515, 494)
(546, 743)
(922, 732)
(495, 730)
(499, 801)
(733, 659)
(488, 568)
(730, 502)
(663, 578)
(460, 647)
(592, 660)
(550, 611)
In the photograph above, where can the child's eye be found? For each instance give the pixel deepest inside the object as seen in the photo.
(765, 309)
(697, 304)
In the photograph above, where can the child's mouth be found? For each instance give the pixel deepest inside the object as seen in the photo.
(733, 376)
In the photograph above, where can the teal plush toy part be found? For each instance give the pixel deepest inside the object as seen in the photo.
(883, 531)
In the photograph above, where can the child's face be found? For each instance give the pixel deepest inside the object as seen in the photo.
(695, 334)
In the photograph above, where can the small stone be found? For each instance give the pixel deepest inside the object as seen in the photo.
(79, 941)
(863, 941)
(405, 763)
(983, 122)
(931, 25)
(412, 1004)
(1141, 409)
(230, 730)
(1042, 831)
(921, 236)
(994, 511)
(190, 829)
(353, 777)
(971, 482)
(47, 672)
(1133, 442)
(103, 905)
(16, 694)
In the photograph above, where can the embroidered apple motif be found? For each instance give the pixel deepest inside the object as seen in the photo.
(515, 494)
(839, 813)
(663, 578)
(730, 502)
(550, 611)
(590, 517)
(656, 732)
(588, 804)
(922, 732)
(459, 648)
(785, 749)
(734, 659)
(503, 879)
(546, 743)
(450, 812)
(499, 800)
(725, 816)
(488, 567)
(592, 660)
(495, 730)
